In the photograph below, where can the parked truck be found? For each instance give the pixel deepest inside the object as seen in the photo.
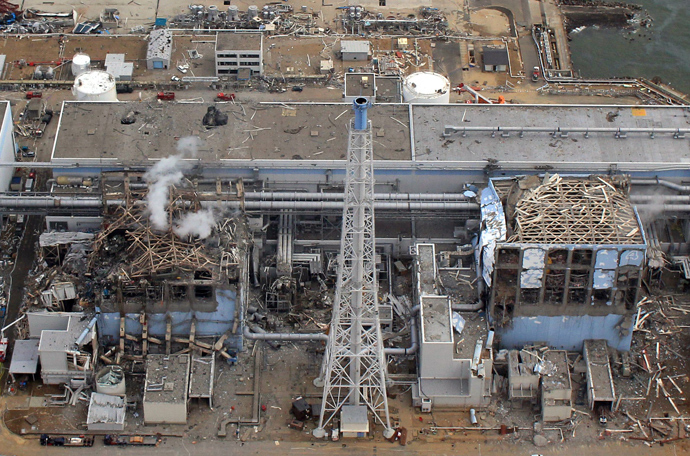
(137, 440)
(77, 441)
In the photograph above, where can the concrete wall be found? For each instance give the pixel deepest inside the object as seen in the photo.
(566, 332)
(7, 148)
(87, 224)
(165, 412)
(41, 321)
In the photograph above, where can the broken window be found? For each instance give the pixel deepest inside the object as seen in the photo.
(178, 291)
(555, 287)
(202, 274)
(529, 296)
(582, 257)
(601, 297)
(203, 291)
(558, 257)
(154, 293)
(508, 256)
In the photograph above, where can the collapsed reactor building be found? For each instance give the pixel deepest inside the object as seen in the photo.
(472, 232)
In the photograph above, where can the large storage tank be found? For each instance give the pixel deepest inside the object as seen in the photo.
(253, 11)
(426, 87)
(95, 85)
(111, 381)
(81, 63)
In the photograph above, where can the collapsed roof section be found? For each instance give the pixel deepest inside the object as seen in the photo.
(150, 251)
(554, 209)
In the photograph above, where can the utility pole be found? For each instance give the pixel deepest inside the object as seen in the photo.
(354, 368)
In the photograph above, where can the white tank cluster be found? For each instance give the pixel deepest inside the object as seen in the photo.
(95, 85)
(81, 63)
(426, 87)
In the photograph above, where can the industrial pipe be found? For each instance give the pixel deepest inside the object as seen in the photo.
(305, 196)
(636, 199)
(378, 205)
(258, 333)
(678, 133)
(657, 208)
(414, 339)
(50, 202)
(665, 183)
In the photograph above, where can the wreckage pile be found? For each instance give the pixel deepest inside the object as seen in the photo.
(557, 210)
(151, 251)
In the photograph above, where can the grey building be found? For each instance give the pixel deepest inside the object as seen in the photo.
(159, 51)
(455, 364)
(235, 51)
(556, 387)
(166, 389)
(495, 59)
(352, 50)
(561, 276)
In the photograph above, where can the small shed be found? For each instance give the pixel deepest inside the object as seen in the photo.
(24, 357)
(352, 50)
(354, 421)
(159, 49)
(495, 59)
(34, 109)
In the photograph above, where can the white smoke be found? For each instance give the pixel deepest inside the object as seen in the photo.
(165, 173)
(198, 224)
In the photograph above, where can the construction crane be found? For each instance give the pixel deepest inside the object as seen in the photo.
(353, 371)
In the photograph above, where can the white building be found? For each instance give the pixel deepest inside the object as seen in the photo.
(239, 50)
(351, 50)
(7, 145)
(159, 49)
(63, 348)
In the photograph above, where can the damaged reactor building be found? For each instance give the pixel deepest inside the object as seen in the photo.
(461, 247)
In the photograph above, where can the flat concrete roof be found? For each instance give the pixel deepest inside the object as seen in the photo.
(359, 84)
(436, 319)
(24, 357)
(556, 374)
(544, 148)
(231, 41)
(202, 376)
(167, 378)
(60, 340)
(91, 132)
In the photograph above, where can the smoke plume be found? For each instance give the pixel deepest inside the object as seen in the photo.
(198, 224)
(165, 173)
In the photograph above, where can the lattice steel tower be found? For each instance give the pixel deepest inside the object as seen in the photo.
(353, 372)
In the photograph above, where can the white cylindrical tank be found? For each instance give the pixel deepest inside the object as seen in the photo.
(80, 64)
(212, 13)
(253, 11)
(95, 85)
(233, 13)
(426, 87)
(111, 380)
